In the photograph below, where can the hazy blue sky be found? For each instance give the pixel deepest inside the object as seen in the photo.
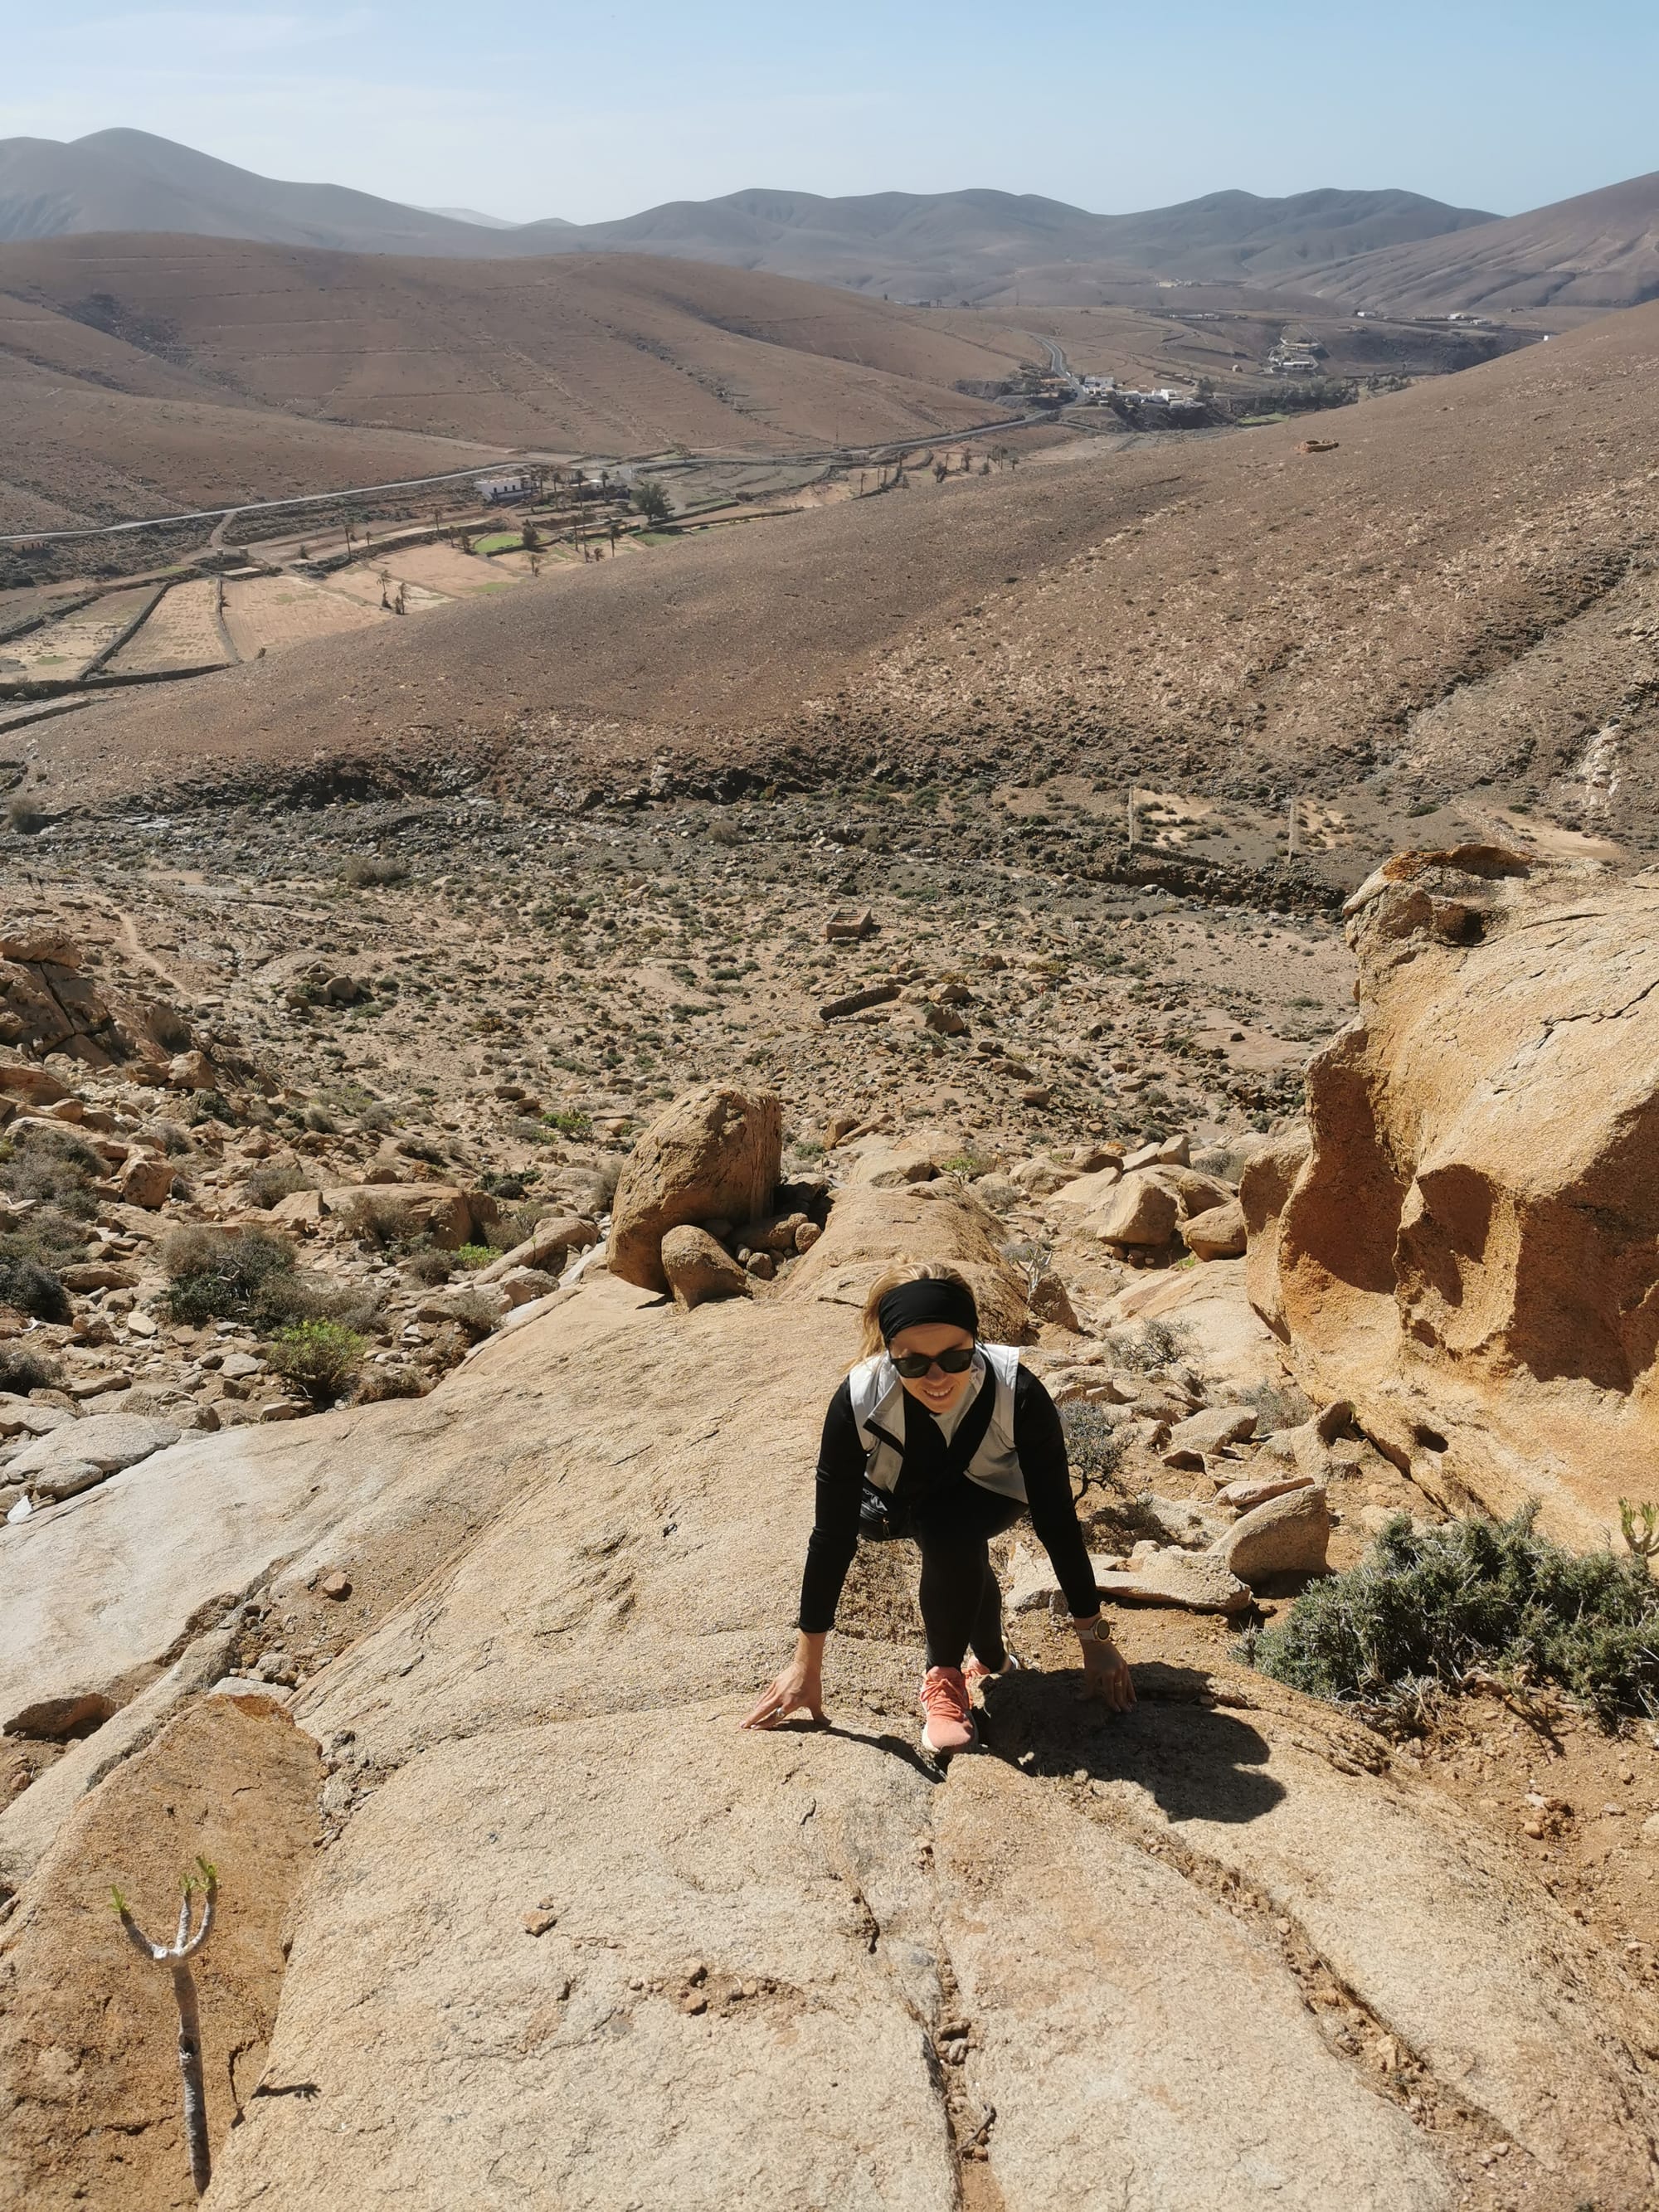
(529, 109)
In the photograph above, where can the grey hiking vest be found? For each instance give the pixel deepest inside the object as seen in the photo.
(878, 1408)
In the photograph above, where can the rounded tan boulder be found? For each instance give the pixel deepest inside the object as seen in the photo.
(715, 1154)
(698, 1268)
(1139, 1211)
(1216, 1234)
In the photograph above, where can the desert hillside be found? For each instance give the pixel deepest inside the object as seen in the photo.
(1452, 601)
(1597, 251)
(606, 355)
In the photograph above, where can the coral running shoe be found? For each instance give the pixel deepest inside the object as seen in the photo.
(948, 1725)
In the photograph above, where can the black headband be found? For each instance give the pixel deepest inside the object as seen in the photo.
(915, 1305)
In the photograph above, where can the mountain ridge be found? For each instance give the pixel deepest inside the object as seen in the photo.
(971, 241)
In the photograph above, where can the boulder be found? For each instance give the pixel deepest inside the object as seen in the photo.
(520, 1285)
(146, 1180)
(82, 1453)
(1139, 1211)
(548, 1244)
(1255, 1490)
(1287, 1535)
(1197, 1581)
(1088, 1192)
(1193, 1441)
(1168, 1152)
(1467, 1245)
(1040, 1176)
(1050, 1301)
(1216, 1234)
(715, 1152)
(698, 1268)
(1198, 1193)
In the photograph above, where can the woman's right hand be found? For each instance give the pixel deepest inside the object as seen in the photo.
(801, 1683)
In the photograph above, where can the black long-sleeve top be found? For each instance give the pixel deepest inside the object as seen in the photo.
(1040, 1445)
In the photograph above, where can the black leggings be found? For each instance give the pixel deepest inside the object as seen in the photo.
(961, 1602)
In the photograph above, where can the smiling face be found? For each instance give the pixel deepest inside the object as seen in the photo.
(937, 1390)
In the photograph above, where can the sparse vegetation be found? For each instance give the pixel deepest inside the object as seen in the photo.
(1429, 1610)
(373, 871)
(651, 501)
(224, 1274)
(23, 1368)
(322, 1358)
(267, 1186)
(1094, 1444)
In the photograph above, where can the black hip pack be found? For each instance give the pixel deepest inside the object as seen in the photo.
(882, 1516)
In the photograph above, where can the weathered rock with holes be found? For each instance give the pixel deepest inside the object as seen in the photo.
(715, 1154)
(1468, 1247)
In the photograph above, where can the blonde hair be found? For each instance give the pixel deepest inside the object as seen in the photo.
(871, 1339)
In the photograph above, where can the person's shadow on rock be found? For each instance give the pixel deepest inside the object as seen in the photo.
(1197, 1761)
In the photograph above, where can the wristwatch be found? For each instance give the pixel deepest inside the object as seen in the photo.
(1096, 1632)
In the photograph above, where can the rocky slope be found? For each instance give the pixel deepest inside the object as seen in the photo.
(572, 1935)
(1463, 1242)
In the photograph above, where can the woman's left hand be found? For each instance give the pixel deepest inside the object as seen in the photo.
(1106, 1675)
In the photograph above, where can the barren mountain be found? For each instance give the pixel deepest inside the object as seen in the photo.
(607, 354)
(967, 243)
(1599, 250)
(974, 244)
(132, 180)
(1456, 597)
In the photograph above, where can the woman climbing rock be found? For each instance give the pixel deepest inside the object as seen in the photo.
(937, 1436)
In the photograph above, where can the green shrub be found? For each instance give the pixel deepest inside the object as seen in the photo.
(476, 1255)
(571, 1121)
(322, 1358)
(222, 1275)
(1427, 1608)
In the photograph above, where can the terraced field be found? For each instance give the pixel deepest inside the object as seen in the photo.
(183, 632)
(64, 648)
(269, 612)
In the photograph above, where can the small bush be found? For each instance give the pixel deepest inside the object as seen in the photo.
(1427, 1608)
(266, 1187)
(298, 1296)
(54, 1167)
(1094, 1444)
(321, 1358)
(476, 1255)
(222, 1275)
(371, 872)
(570, 1121)
(22, 1368)
(429, 1266)
(25, 816)
(173, 1141)
(32, 1286)
(393, 1380)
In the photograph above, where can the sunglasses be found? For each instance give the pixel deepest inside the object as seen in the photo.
(913, 1365)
